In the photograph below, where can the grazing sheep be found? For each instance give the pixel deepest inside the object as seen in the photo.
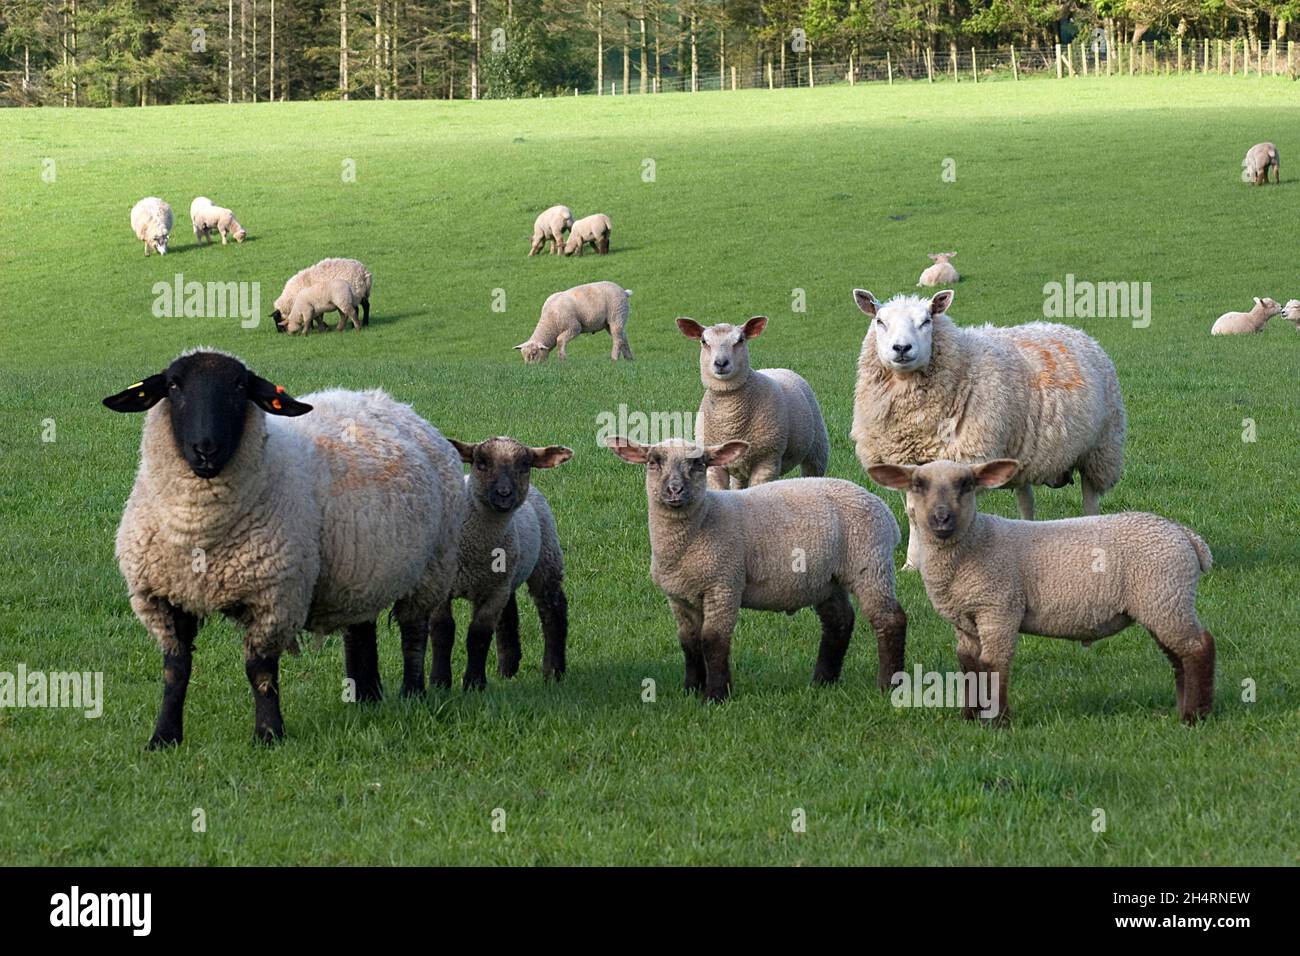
(590, 229)
(1237, 323)
(941, 273)
(1291, 312)
(1081, 578)
(774, 410)
(1260, 158)
(781, 546)
(283, 524)
(584, 309)
(314, 301)
(550, 227)
(151, 221)
(350, 271)
(206, 217)
(1046, 394)
(509, 537)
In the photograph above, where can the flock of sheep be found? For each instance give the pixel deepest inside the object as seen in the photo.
(242, 506)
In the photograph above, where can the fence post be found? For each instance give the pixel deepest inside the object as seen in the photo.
(1096, 58)
(889, 65)
(929, 65)
(1290, 47)
(1272, 56)
(850, 67)
(1180, 54)
(770, 84)
(952, 57)
(1259, 58)
(974, 67)
(1132, 55)
(1015, 71)
(1058, 61)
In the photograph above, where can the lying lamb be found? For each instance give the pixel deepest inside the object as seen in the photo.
(1081, 578)
(509, 538)
(590, 229)
(1291, 312)
(151, 221)
(941, 273)
(1260, 158)
(582, 310)
(1237, 323)
(206, 217)
(774, 410)
(781, 546)
(550, 227)
(351, 271)
(1046, 394)
(314, 301)
(283, 524)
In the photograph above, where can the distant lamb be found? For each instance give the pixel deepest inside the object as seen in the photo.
(782, 546)
(350, 271)
(1237, 323)
(928, 389)
(207, 217)
(151, 221)
(550, 227)
(582, 310)
(773, 410)
(1291, 312)
(1080, 578)
(314, 301)
(941, 273)
(591, 229)
(1260, 158)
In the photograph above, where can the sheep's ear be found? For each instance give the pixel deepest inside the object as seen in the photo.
(690, 328)
(464, 449)
(273, 399)
(725, 454)
(933, 257)
(940, 301)
(892, 476)
(866, 302)
(754, 327)
(627, 449)
(139, 397)
(550, 456)
(996, 473)
(1258, 300)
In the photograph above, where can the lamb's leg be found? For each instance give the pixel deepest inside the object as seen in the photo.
(361, 660)
(913, 561)
(168, 729)
(442, 631)
(354, 319)
(365, 306)
(889, 621)
(553, 611)
(507, 637)
(836, 614)
(343, 321)
(1025, 501)
(264, 678)
(415, 643)
(968, 658)
(688, 635)
(764, 471)
(223, 237)
(563, 340)
(998, 635)
(481, 626)
(1091, 496)
(720, 608)
(1191, 651)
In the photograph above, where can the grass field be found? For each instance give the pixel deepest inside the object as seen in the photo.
(753, 195)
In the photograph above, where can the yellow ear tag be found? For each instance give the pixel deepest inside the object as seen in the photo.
(136, 385)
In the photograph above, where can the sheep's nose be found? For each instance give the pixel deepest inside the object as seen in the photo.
(205, 449)
(902, 348)
(721, 365)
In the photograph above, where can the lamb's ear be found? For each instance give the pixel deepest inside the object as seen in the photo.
(550, 456)
(273, 399)
(933, 257)
(996, 473)
(627, 449)
(139, 397)
(940, 301)
(866, 302)
(725, 454)
(755, 326)
(892, 476)
(1258, 300)
(464, 449)
(690, 328)
(524, 345)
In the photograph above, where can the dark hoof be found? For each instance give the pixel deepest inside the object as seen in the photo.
(162, 741)
(507, 668)
(553, 675)
(268, 735)
(474, 683)
(412, 690)
(439, 683)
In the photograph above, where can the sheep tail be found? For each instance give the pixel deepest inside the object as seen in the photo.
(627, 291)
(1202, 549)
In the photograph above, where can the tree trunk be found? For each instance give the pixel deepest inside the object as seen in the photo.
(473, 48)
(379, 65)
(695, 59)
(722, 45)
(271, 85)
(230, 51)
(243, 51)
(76, 85)
(343, 49)
(627, 58)
(600, 48)
(644, 48)
(254, 51)
(659, 75)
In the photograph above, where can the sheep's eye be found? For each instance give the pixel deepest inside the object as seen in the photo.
(965, 486)
(920, 486)
(481, 465)
(925, 323)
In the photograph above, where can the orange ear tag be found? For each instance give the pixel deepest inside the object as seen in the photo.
(275, 403)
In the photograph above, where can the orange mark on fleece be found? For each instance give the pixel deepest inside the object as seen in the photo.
(1055, 364)
(357, 455)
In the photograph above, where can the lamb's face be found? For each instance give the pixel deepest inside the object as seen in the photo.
(1271, 307)
(1291, 311)
(903, 327)
(676, 471)
(533, 353)
(941, 494)
(501, 472)
(240, 233)
(724, 352)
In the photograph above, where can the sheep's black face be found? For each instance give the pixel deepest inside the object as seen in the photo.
(208, 395)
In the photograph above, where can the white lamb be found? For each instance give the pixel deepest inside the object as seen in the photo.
(550, 227)
(1238, 323)
(207, 217)
(941, 273)
(350, 271)
(314, 301)
(151, 221)
(582, 310)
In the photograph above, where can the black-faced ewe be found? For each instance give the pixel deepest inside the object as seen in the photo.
(313, 302)
(941, 273)
(590, 229)
(509, 538)
(1260, 158)
(1042, 393)
(1239, 323)
(207, 218)
(782, 546)
(283, 524)
(151, 221)
(550, 227)
(1081, 578)
(773, 410)
(350, 271)
(582, 310)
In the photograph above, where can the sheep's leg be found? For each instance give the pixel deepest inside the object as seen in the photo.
(442, 631)
(1192, 655)
(507, 637)
(889, 621)
(365, 308)
(168, 729)
(1179, 676)
(968, 658)
(1091, 496)
(361, 660)
(534, 247)
(1025, 501)
(481, 626)
(553, 611)
(343, 321)
(562, 340)
(998, 636)
(836, 614)
(689, 620)
(764, 471)
(720, 610)
(223, 236)
(264, 678)
(913, 561)
(415, 644)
